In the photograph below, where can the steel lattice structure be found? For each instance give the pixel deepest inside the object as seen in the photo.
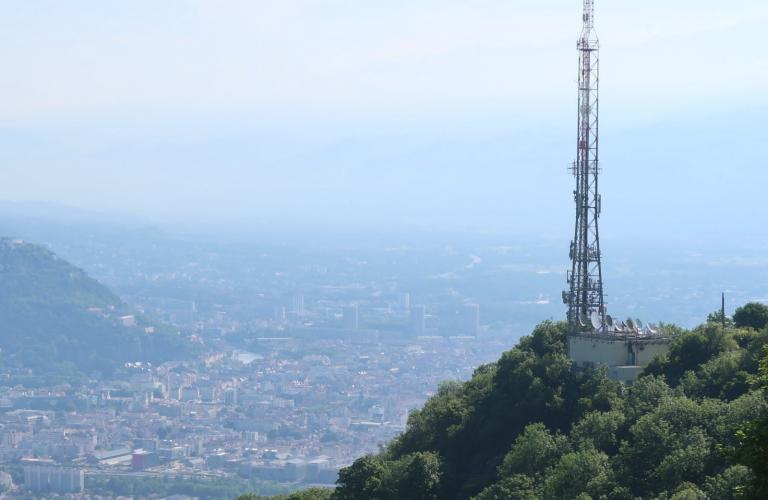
(585, 296)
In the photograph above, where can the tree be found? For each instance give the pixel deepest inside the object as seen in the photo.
(517, 487)
(730, 484)
(535, 450)
(585, 471)
(752, 315)
(311, 494)
(428, 427)
(598, 430)
(363, 479)
(646, 395)
(419, 479)
(670, 444)
(717, 317)
(690, 349)
(754, 443)
(721, 377)
(412, 477)
(688, 491)
(753, 453)
(687, 461)
(308, 494)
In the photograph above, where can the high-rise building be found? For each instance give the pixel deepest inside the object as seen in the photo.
(50, 479)
(470, 320)
(405, 301)
(189, 393)
(143, 459)
(230, 396)
(418, 320)
(280, 313)
(297, 304)
(350, 317)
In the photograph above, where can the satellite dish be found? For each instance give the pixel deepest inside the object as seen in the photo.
(583, 319)
(631, 325)
(640, 327)
(619, 326)
(652, 329)
(609, 322)
(597, 324)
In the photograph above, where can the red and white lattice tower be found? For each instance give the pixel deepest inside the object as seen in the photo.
(585, 295)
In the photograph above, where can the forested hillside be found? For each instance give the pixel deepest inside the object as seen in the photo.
(54, 317)
(695, 426)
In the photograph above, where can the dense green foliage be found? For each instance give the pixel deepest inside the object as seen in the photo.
(695, 425)
(309, 494)
(754, 442)
(162, 486)
(47, 325)
(752, 315)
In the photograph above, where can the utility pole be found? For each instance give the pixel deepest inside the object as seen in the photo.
(722, 311)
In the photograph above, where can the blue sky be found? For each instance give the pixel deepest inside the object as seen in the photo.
(429, 114)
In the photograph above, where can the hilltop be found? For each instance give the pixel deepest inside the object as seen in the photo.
(53, 316)
(694, 426)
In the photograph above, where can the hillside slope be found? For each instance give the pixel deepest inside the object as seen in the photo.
(528, 427)
(54, 316)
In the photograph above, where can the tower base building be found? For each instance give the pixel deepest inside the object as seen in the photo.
(625, 355)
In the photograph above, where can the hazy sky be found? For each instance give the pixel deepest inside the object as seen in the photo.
(445, 114)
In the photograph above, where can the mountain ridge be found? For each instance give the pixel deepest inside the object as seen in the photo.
(54, 315)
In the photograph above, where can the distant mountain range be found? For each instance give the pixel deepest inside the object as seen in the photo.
(53, 316)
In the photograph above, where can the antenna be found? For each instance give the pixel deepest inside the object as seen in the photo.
(585, 295)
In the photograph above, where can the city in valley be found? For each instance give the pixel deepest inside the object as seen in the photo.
(328, 250)
(293, 409)
(300, 361)
(283, 384)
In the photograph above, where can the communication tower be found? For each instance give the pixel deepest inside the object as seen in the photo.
(585, 295)
(596, 338)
